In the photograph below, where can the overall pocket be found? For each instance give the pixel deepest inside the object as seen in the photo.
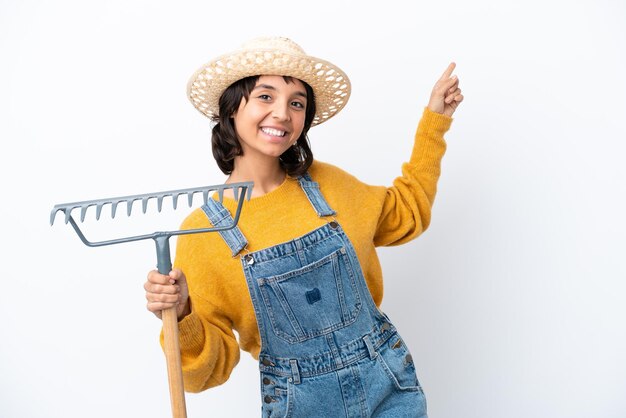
(313, 300)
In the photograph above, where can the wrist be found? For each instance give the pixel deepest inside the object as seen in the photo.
(435, 108)
(186, 311)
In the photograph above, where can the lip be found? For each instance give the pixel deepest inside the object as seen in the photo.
(273, 138)
(276, 127)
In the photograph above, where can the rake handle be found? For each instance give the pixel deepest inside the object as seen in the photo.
(174, 364)
(170, 335)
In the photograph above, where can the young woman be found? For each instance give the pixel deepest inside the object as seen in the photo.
(298, 279)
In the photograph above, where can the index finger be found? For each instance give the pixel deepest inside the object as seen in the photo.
(448, 72)
(157, 278)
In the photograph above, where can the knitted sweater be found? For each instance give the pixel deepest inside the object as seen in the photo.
(370, 215)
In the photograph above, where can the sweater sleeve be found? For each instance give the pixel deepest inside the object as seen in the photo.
(208, 346)
(407, 205)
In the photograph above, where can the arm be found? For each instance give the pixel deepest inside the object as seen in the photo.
(407, 206)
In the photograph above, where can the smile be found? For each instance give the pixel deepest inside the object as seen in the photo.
(273, 132)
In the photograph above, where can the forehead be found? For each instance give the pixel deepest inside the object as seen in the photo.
(279, 82)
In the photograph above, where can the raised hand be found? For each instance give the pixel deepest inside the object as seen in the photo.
(446, 95)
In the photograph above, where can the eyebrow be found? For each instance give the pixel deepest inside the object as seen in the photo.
(270, 87)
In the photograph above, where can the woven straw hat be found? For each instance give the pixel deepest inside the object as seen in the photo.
(270, 56)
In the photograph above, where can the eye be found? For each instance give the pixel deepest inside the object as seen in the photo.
(265, 97)
(299, 105)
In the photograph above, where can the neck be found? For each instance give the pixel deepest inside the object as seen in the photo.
(267, 175)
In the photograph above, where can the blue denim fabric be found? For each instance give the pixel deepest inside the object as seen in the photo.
(326, 349)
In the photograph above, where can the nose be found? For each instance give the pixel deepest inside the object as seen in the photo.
(280, 111)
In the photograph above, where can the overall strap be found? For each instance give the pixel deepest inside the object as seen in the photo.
(220, 216)
(313, 193)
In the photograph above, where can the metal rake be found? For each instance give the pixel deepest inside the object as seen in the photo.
(241, 191)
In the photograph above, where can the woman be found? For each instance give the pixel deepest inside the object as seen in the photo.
(298, 278)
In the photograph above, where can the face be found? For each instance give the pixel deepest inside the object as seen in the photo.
(272, 119)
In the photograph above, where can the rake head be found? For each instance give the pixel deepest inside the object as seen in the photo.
(240, 191)
(99, 204)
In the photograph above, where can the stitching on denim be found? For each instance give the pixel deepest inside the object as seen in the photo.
(349, 315)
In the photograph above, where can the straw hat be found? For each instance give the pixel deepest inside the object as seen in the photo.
(270, 56)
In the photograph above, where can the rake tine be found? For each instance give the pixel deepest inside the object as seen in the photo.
(144, 204)
(159, 203)
(99, 210)
(175, 200)
(83, 212)
(220, 194)
(190, 198)
(68, 214)
(249, 193)
(236, 193)
(129, 206)
(205, 196)
(114, 208)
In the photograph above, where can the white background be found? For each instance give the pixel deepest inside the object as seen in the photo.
(513, 302)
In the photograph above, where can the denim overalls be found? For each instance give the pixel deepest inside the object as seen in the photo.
(326, 349)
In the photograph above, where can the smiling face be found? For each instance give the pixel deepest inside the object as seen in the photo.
(272, 119)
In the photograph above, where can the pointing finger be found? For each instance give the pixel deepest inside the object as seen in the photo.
(448, 72)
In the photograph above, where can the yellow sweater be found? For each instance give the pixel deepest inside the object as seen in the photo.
(370, 215)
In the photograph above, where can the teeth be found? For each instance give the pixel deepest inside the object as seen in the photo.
(273, 132)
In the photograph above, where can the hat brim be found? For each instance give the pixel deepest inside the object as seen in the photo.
(330, 84)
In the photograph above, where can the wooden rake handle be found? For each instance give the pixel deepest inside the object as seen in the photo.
(174, 364)
(171, 343)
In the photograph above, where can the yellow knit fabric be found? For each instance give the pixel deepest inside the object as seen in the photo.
(370, 215)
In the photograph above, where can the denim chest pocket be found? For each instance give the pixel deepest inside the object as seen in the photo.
(313, 300)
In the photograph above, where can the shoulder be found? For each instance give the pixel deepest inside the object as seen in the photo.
(339, 183)
(323, 172)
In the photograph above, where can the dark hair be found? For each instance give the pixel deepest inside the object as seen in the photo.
(225, 141)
